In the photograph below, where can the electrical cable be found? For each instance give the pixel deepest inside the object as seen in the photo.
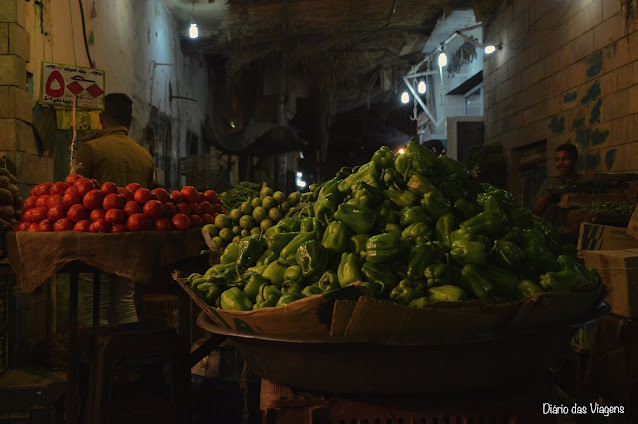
(75, 59)
(86, 43)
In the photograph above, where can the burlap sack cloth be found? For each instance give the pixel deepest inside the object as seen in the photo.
(37, 256)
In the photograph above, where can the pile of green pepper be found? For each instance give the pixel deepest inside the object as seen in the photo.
(411, 228)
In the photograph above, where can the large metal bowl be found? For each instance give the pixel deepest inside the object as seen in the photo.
(405, 365)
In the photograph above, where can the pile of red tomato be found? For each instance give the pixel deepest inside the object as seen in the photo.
(82, 204)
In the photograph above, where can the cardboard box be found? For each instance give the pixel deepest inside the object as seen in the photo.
(604, 237)
(632, 227)
(619, 271)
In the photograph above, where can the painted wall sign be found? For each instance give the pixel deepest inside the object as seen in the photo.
(61, 82)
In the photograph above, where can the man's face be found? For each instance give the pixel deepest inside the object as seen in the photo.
(565, 163)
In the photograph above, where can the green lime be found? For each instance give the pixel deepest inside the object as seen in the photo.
(210, 229)
(236, 230)
(265, 191)
(226, 234)
(279, 197)
(275, 214)
(235, 214)
(246, 222)
(313, 187)
(285, 207)
(293, 198)
(246, 208)
(255, 231)
(219, 242)
(237, 239)
(222, 221)
(245, 232)
(268, 202)
(265, 224)
(255, 202)
(260, 213)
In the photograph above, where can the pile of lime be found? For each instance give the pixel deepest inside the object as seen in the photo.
(251, 217)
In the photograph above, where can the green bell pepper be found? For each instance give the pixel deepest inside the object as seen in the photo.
(419, 258)
(485, 223)
(276, 242)
(468, 252)
(417, 233)
(444, 227)
(312, 257)
(381, 275)
(289, 225)
(411, 214)
(453, 187)
(446, 166)
(211, 295)
(324, 210)
(368, 173)
(252, 285)
(291, 287)
(392, 228)
(387, 214)
(293, 273)
(528, 288)
(383, 158)
(359, 219)
(357, 243)
(562, 280)
(250, 249)
(288, 298)
(419, 184)
(230, 255)
(311, 290)
(307, 225)
(267, 257)
(348, 270)
(473, 281)
(329, 281)
(436, 203)
(439, 249)
(506, 254)
(466, 209)
(505, 282)
(407, 290)
(383, 247)
(289, 251)
(234, 299)
(335, 237)
(197, 281)
(392, 178)
(267, 297)
(330, 191)
(427, 157)
(585, 275)
(401, 197)
(446, 293)
(275, 272)
(419, 302)
(521, 217)
(438, 275)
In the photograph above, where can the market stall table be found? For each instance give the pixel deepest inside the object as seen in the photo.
(35, 257)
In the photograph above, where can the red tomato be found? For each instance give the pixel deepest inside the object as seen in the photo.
(45, 226)
(108, 187)
(126, 193)
(142, 195)
(93, 199)
(82, 226)
(196, 221)
(96, 214)
(163, 224)
(217, 208)
(208, 218)
(33, 227)
(139, 222)
(29, 202)
(131, 207)
(211, 196)
(215, 214)
(181, 221)
(42, 201)
(64, 224)
(184, 208)
(195, 209)
(71, 197)
(100, 226)
(113, 201)
(58, 188)
(15, 228)
(115, 216)
(71, 179)
(190, 193)
(42, 189)
(134, 187)
(54, 199)
(176, 197)
(169, 209)
(161, 195)
(36, 214)
(200, 197)
(96, 183)
(56, 212)
(83, 186)
(206, 207)
(77, 213)
(23, 226)
(154, 208)
(118, 228)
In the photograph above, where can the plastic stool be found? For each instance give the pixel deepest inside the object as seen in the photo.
(128, 375)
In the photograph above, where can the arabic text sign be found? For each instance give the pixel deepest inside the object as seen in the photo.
(61, 82)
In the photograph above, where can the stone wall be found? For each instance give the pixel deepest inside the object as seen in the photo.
(567, 73)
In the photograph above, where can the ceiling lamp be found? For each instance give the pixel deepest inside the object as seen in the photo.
(421, 87)
(193, 32)
(442, 60)
(405, 97)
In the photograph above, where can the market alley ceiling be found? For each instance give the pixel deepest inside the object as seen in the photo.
(358, 48)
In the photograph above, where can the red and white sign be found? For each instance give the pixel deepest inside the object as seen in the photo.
(61, 82)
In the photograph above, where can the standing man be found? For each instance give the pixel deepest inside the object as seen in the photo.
(114, 156)
(547, 202)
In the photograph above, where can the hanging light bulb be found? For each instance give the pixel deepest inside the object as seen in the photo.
(421, 87)
(442, 60)
(490, 49)
(405, 97)
(193, 32)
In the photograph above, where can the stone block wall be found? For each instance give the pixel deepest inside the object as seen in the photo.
(567, 73)
(18, 143)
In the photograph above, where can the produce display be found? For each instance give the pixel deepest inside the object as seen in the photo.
(606, 208)
(10, 200)
(84, 205)
(244, 191)
(411, 228)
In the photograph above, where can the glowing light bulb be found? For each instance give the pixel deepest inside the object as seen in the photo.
(421, 87)
(401, 151)
(442, 60)
(193, 32)
(405, 97)
(490, 49)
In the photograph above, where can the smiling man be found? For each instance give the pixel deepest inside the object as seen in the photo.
(546, 201)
